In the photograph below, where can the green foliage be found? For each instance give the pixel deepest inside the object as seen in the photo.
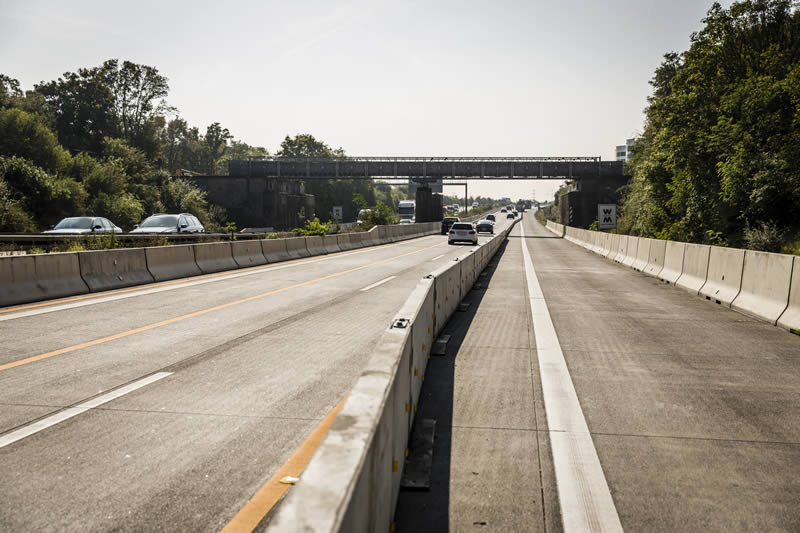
(273, 236)
(26, 135)
(13, 215)
(720, 153)
(230, 228)
(312, 227)
(305, 145)
(593, 226)
(379, 215)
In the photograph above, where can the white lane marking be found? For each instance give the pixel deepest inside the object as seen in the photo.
(66, 414)
(586, 502)
(191, 283)
(438, 257)
(381, 282)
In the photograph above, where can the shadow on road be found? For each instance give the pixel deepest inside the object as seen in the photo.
(428, 510)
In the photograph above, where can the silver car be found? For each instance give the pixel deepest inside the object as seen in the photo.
(84, 225)
(462, 232)
(182, 223)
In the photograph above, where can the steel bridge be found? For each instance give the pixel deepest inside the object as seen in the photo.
(427, 167)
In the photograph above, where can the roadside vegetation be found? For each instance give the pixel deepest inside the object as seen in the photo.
(719, 158)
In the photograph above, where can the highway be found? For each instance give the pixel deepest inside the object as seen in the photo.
(169, 406)
(693, 410)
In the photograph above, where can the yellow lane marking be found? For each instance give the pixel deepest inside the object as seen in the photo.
(71, 299)
(123, 334)
(265, 499)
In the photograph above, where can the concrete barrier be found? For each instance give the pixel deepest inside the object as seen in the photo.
(642, 254)
(673, 262)
(214, 257)
(350, 241)
(613, 246)
(632, 251)
(622, 248)
(766, 280)
(29, 278)
(248, 253)
(695, 267)
(103, 270)
(371, 237)
(383, 234)
(315, 245)
(655, 261)
(296, 248)
(724, 279)
(790, 319)
(171, 262)
(274, 250)
(330, 243)
(352, 482)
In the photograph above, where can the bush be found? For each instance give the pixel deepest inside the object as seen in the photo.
(766, 237)
(312, 227)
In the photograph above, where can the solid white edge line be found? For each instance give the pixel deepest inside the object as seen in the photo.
(381, 282)
(188, 283)
(66, 414)
(583, 493)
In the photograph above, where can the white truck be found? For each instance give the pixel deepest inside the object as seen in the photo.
(405, 208)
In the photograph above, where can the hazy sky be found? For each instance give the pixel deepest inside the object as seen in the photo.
(413, 78)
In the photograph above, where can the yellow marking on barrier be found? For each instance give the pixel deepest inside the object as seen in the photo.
(415, 409)
(394, 466)
(408, 407)
(416, 372)
(424, 347)
(267, 496)
(423, 378)
(202, 312)
(406, 452)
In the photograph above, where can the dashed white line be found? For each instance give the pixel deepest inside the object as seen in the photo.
(66, 414)
(438, 257)
(381, 282)
(586, 502)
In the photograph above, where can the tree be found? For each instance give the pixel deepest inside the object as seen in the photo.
(720, 152)
(215, 142)
(305, 145)
(25, 135)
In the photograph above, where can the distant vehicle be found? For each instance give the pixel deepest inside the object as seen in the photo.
(83, 225)
(485, 226)
(490, 217)
(475, 204)
(447, 222)
(405, 208)
(161, 223)
(462, 232)
(503, 210)
(361, 214)
(511, 215)
(405, 221)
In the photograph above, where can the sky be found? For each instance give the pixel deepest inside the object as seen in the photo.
(379, 78)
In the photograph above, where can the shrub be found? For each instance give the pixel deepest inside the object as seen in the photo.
(766, 237)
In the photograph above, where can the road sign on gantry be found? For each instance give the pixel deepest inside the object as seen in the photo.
(606, 216)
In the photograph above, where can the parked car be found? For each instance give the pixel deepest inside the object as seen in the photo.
(462, 232)
(405, 221)
(490, 217)
(82, 225)
(161, 223)
(485, 226)
(447, 222)
(362, 214)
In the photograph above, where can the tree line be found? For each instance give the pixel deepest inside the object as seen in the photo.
(103, 141)
(719, 158)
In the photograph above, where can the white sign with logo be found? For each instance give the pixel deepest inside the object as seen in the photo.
(606, 216)
(337, 212)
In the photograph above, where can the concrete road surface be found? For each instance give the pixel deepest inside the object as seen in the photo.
(693, 410)
(168, 406)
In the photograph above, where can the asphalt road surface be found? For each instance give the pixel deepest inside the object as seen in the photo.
(168, 406)
(693, 409)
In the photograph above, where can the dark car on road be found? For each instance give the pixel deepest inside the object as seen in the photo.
(510, 215)
(447, 222)
(490, 217)
(485, 226)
